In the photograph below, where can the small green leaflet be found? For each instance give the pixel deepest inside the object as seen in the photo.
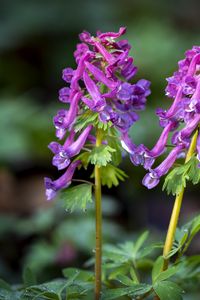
(111, 175)
(167, 290)
(77, 197)
(101, 155)
(178, 177)
(84, 157)
(87, 118)
(113, 141)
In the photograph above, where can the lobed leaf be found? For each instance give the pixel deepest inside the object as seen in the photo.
(77, 197)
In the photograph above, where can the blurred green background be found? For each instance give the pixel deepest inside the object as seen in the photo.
(37, 40)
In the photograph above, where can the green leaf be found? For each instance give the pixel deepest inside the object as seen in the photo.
(29, 277)
(140, 241)
(194, 171)
(114, 142)
(168, 273)
(77, 274)
(167, 290)
(85, 119)
(50, 290)
(189, 267)
(77, 197)
(178, 177)
(111, 175)
(157, 268)
(9, 293)
(134, 291)
(84, 157)
(125, 280)
(101, 155)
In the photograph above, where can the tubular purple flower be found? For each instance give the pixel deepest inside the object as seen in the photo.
(78, 73)
(114, 35)
(81, 49)
(127, 143)
(188, 129)
(129, 70)
(99, 75)
(65, 119)
(97, 102)
(107, 55)
(67, 74)
(153, 177)
(194, 62)
(52, 187)
(62, 158)
(64, 94)
(55, 147)
(161, 143)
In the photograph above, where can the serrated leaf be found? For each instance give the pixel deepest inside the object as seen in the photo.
(111, 175)
(85, 119)
(84, 157)
(177, 179)
(29, 277)
(167, 290)
(77, 197)
(114, 142)
(101, 155)
(194, 171)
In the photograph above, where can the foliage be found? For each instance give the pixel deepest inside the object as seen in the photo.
(177, 179)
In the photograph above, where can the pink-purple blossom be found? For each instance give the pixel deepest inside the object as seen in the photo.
(182, 118)
(101, 85)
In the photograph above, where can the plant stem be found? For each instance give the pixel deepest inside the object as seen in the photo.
(98, 211)
(176, 209)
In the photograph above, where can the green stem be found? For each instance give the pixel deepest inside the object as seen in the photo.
(176, 209)
(98, 211)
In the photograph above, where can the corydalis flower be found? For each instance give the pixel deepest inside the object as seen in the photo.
(98, 86)
(52, 187)
(184, 88)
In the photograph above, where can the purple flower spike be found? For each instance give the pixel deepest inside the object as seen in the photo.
(62, 157)
(184, 88)
(153, 177)
(52, 187)
(98, 87)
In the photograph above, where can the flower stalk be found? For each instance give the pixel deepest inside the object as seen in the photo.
(98, 215)
(176, 209)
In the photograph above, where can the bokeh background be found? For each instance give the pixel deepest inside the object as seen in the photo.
(37, 39)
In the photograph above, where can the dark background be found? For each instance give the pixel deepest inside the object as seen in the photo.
(37, 40)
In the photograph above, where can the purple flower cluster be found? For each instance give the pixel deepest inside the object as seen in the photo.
(99, 84)
(184, 88)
